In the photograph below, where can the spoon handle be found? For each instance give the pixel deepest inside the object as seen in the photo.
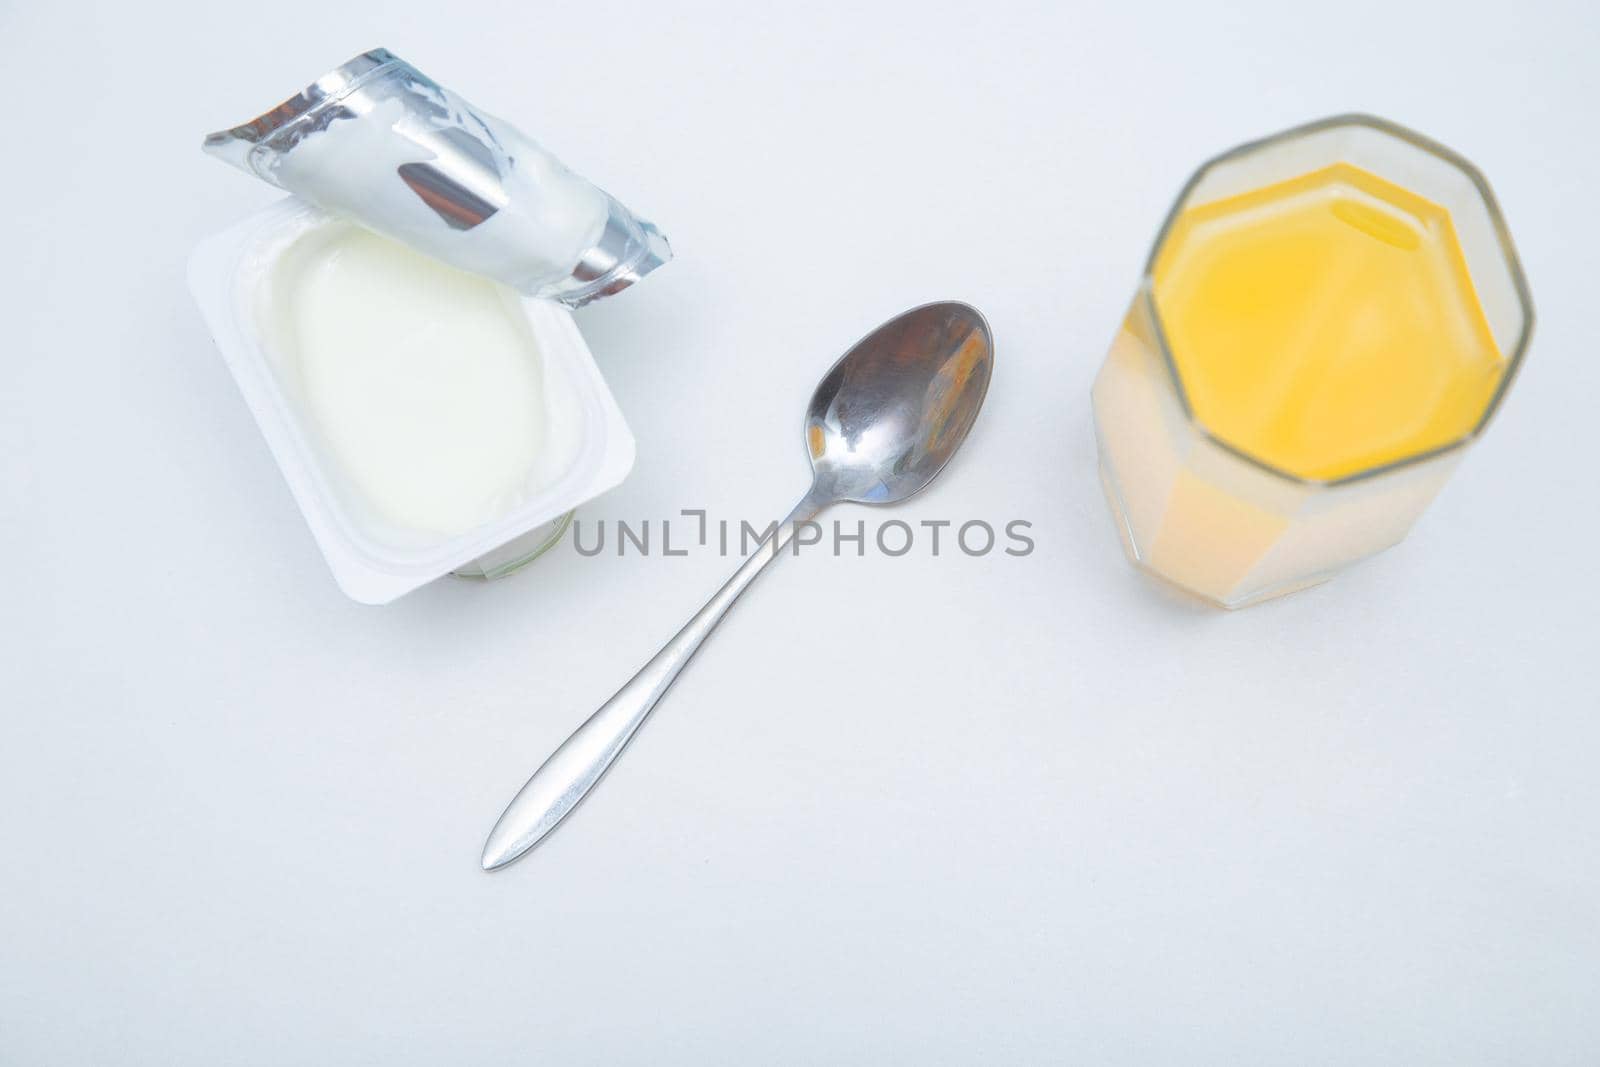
(574, 768)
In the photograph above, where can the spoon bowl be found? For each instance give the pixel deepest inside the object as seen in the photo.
(891, 412)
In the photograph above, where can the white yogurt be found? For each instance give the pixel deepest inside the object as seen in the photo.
(422, 382)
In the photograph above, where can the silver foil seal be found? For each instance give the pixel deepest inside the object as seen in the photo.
(379, 142)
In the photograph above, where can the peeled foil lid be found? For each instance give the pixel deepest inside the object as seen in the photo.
(463, 176)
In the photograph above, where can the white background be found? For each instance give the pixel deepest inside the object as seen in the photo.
(949, 810)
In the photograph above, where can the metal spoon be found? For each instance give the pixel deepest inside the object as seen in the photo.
(884, 420)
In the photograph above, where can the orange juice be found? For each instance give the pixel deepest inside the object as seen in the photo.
(1326, 325)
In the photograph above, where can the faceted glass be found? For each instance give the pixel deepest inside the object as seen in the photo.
(1225, 470)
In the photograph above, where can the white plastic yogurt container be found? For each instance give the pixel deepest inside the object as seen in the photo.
(415, 457)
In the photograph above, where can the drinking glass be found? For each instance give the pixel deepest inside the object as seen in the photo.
(1233, 528)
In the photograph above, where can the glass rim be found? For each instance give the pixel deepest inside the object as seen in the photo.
(1502, 234)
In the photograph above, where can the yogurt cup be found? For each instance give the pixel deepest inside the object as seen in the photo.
(373, 559)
